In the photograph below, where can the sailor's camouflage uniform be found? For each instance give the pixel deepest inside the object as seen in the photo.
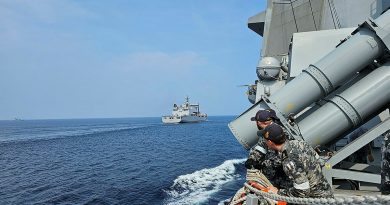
(301, 164)
(270, 164)
(385, 171)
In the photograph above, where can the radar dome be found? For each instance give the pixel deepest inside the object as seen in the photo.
(268, 68)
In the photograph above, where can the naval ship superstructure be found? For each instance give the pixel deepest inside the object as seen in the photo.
(325, 69)
(185, 113)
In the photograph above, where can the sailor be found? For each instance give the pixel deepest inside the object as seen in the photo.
(267, 161)
(300, 163)
(385, 171)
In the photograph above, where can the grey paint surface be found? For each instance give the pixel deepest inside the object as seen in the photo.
(338, 83)
(331, 120)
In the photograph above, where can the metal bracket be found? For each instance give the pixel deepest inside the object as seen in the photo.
(320, 78)
(292, 130)
(349, 149)
(353, 116)
(359, 142)
(379, 31)
(252, 199)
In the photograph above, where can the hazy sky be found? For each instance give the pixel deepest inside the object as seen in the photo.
(124, 58)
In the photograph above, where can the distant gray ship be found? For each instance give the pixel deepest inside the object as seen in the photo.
(185, 113)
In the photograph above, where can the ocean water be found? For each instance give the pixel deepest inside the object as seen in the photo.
(119, 161)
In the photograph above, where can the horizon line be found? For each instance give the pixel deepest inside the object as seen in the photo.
(90, 118)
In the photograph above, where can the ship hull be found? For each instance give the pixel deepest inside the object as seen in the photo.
(182, 119)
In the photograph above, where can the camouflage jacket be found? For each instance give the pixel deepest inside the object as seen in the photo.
(270, 164)
(270, 158)
(301, 164)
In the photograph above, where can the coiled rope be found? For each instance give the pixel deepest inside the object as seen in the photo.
(378, 199)
(256, 179)
(260, 179)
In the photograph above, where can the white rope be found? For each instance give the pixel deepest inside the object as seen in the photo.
(238, 198)
(378, 199)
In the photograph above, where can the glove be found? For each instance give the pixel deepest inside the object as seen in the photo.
(256, 157)
(249, 163)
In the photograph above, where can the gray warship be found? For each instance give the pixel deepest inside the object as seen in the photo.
(185, 113)
(324, 68)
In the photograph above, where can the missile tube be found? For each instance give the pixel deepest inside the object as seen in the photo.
(321, 78)
(349, 109)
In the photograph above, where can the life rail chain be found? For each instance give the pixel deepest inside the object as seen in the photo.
(378, 199)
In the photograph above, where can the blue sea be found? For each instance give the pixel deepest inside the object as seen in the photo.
(119, 161)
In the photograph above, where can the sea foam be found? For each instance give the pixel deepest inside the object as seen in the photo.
(197, 187)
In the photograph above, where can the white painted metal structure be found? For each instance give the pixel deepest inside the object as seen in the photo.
(184, 113)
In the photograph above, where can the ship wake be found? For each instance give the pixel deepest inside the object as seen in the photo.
(60, 133)
(198, 187)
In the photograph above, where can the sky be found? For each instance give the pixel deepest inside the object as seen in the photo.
(62, 59)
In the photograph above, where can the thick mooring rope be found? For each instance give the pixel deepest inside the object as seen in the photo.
(378, 199)
(258, 177)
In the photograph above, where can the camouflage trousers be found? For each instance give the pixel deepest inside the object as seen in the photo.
(385, 171)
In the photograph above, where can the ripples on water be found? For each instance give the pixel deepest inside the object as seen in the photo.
(118, 161)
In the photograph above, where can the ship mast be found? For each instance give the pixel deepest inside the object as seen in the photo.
(187, 99)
